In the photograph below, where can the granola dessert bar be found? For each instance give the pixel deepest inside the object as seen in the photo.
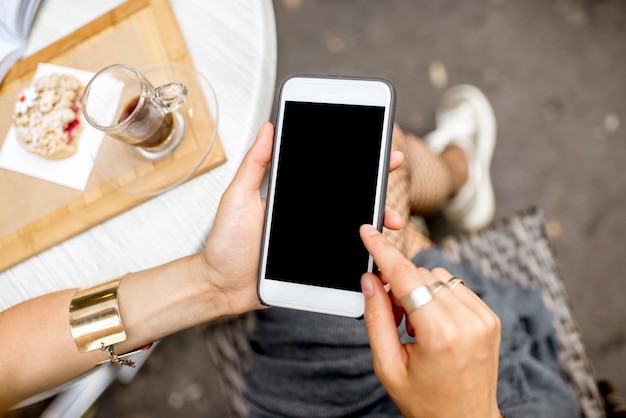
(47, 118)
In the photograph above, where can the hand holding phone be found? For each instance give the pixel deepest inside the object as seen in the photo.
(328, 177)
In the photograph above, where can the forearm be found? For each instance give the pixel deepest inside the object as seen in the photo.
(38, 352)
(158, 302)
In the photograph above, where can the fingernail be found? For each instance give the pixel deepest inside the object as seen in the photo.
(368, 229)
(367, 286)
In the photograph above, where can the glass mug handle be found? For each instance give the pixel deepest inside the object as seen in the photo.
(170, 96)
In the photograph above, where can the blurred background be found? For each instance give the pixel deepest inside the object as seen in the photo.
(555, 72)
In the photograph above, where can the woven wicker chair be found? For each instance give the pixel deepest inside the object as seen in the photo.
(515, 248)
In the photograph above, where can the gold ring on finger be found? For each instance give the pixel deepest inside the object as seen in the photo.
(436, 287)
(454, 282)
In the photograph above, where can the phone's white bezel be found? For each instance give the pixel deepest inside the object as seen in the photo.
(336, 90)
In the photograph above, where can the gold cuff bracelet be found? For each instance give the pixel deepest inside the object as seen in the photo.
(95, 320)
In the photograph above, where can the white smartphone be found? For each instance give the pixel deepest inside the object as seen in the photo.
(328, 176)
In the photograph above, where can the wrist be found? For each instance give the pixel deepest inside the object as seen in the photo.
(228, 291)
(163, 300)
(211, 299)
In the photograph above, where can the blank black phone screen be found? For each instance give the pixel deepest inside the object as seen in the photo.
(326, 183)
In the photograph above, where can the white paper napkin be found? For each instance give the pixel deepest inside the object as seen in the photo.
(73, 171)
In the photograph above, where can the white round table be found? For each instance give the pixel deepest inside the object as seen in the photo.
(233, 43)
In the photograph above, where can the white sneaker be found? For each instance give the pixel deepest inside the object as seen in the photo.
(465, 119)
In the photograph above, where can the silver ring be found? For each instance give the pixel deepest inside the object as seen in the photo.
(454, 282)
(436, 287)
(418, 297)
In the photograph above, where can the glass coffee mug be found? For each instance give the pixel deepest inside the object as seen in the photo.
(122, 103)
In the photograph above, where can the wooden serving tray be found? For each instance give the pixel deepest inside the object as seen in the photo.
(35, 214)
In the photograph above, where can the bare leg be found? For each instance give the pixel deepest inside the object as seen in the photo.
(421, 186)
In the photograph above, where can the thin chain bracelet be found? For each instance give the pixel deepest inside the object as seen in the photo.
(119, 359)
